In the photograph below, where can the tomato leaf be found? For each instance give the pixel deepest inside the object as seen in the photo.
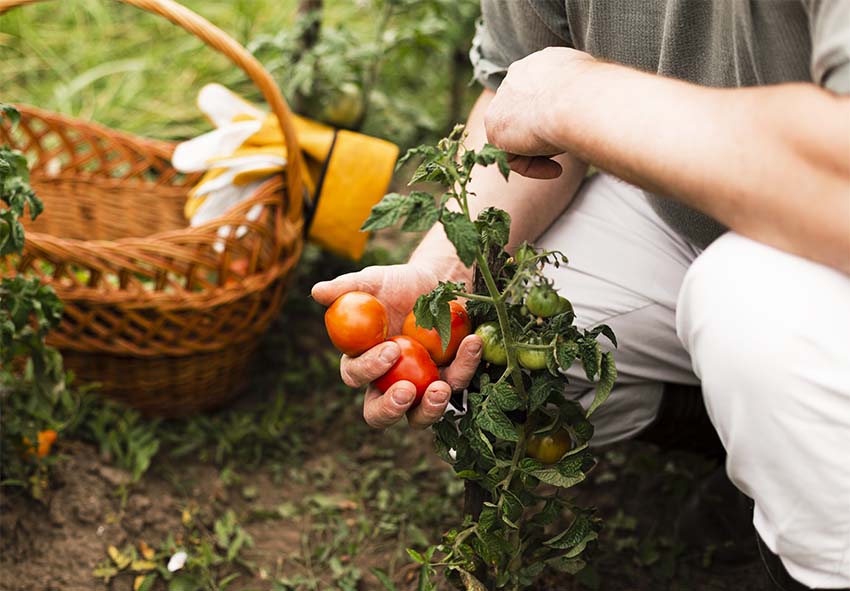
(492, 419)
(542, 387)
(503, 395)
(591, 356)
(607, 377)
(387, 212)
(494, 227)
(423, 213)
(576, 537)
(432, 309)
(462, 234)
(489, 154)
(566, 353)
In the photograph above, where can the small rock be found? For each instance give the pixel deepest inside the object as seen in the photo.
(114, 476)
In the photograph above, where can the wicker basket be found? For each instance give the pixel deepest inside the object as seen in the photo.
(155, 311)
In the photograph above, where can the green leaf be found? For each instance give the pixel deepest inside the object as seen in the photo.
(384, 579)
(492, 419)
(494, 226)
(591, 356)
(605, 330)
(503, 395)
(462, 234)
(422, 214)
(566, 352)
(432, 309)
(576, 537)
(542, 387)
(489, 154)
(10, 112)
(570, 566)
(387, 212)
(555, 478)
(416, 556)
(607, 377)
(511, 506)
(184, 582)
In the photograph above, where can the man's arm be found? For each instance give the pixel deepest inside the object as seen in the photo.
(771, 163)
(532, 203)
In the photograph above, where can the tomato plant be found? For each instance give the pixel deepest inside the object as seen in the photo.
(549, 448)
(441, 353)
(356, 322)
(413, 365)
(490, 440)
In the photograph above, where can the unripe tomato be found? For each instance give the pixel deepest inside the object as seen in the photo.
(414, 365)
(494, 346)
(356, 322)
(430, 339)
(542, 301)
(564, 305)
(548, 449)
(533, 358)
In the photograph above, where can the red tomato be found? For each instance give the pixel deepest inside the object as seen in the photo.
(356, 322)
(414, 365)
(430, 339)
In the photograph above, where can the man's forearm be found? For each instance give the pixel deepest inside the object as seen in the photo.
(532, 203)
(772, 163)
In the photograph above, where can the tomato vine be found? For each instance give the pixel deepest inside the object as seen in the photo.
(511, 535)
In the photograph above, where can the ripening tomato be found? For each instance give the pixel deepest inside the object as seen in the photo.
(430, 338)
(356, 322)
(564, 305)
(550, 448)
(414, 365)
(533, 358)
(543, 301)
(494, 346)
(46, 439)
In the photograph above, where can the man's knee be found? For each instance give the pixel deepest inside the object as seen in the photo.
(730, 317)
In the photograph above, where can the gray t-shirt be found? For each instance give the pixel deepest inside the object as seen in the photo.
(720, 43)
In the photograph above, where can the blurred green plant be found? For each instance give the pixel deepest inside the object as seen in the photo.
(35, 405)
(375, 80)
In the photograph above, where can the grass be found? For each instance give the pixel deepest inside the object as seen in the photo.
(134, 71)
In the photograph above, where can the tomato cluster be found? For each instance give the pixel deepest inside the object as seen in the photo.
(358, 321)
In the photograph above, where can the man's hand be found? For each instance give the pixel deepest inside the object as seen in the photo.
(397, 287)
(520, 118)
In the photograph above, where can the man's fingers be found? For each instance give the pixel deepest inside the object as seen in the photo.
(535, 167)
(460, 372)
(432, 406)
(359, 371)
(383, 410)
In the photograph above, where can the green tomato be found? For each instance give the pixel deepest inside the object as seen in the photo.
(494, 346)
(543, 301)
(533, 359)
(345, 107)
(548, 449)
(564, 305)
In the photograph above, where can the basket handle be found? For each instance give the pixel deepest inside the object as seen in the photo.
(223, 43)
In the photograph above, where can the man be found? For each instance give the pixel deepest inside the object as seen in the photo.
(727, 267)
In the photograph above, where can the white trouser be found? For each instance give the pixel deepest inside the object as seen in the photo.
(769, 337)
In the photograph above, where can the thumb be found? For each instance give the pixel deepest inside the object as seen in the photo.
(325, 292)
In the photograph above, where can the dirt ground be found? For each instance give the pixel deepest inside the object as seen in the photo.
(328, 499)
